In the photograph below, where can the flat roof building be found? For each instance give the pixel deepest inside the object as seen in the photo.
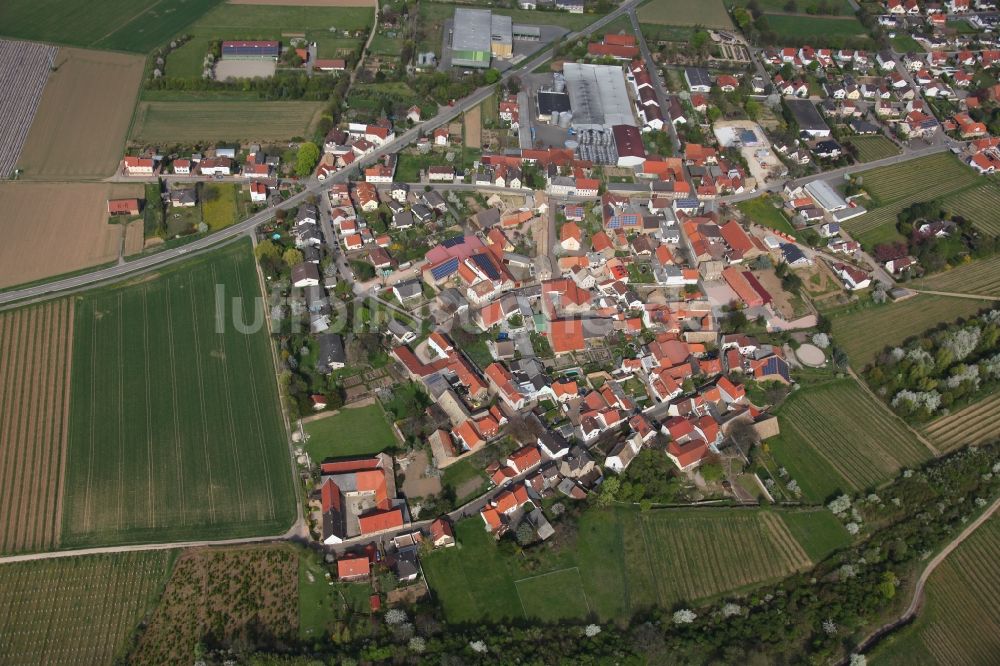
(472, 31)
(598, 96)
(551, 101)
(250, 50)
(808, 118)
(501, 36)
(825, 196)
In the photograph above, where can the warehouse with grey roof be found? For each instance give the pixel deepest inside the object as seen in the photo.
(598, 96)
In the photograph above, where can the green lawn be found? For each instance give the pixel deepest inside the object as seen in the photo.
(903, 43)
(119, 25)
(320, 603)
(818, 531)
(816, 28)
(762, 212)
(175, 428)
(218, 205)
(462, 472)
(271, 22)
(710, 14)
(350, 432)
(622, 561)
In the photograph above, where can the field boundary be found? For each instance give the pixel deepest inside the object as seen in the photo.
(549, 573)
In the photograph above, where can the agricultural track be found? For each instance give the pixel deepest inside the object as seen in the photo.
(35, 346)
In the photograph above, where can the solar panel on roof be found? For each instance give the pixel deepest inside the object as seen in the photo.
(445, 268)
(484, 264)
(776, 366)
(453, 241)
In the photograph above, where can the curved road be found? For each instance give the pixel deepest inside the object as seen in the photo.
(918, 591)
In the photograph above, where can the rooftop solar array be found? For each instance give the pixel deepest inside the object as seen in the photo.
(445, 268)
(487, 266)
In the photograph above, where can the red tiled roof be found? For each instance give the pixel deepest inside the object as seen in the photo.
(381, 520)
(352, 566)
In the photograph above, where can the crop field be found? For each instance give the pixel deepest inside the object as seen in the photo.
(353, 431)
(224, 121)
(974, 424)
(710, 14)
(815, 28)
(118, 25)
(74, 214)
(959, 622)
(981, 277)
(843, 6)
(872, 148)
(76, 610)
(474, 128)
(324, 25)
(864, 333)
(895, 187)
(844, 429)
(24, 69)
(175, 428)
(230, 594)
(35, 344)
(980, 205)
(100, 88)
(623, 561)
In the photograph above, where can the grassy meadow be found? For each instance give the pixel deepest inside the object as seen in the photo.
(233, 121)
(353, 431)
(622, 561)
(175, 428)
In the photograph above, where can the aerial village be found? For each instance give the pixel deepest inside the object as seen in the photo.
(588, 287)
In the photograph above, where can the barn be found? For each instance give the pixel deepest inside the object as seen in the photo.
(251, 50)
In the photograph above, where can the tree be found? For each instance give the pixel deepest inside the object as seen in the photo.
(292, 257)
(525, 533)
(307, 158)
(266, 250)
(609, 491)
(491, 76)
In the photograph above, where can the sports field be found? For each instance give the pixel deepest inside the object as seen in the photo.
(100, 90)
(959, 623)
(35, 344)
(622, 561)
(895, 187)
(324, 25)
(836, 437)
(175, 428)
(864, 333)
(76, 610)
(224, 593)
(118, 25)
(872, 148)
(49, 229)
(980, 277)
(980, 205)
(224, 121)
(710, 13)
(352, 431)
(977, 423)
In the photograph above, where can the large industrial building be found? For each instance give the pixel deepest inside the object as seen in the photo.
(251, 50)
(479, 35)
(598, 96)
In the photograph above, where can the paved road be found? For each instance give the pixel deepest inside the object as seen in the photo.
(655, 75)
(918, 591)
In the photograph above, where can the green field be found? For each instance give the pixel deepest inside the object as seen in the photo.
(977, 423)
(903, 43)
(77, 610)
(709, 14)
(981, 277)
(959, 622)
(175, 428)
(844, 6)
(622, 561)
(871, 148)
(222, 209)
(818, 531)
(980, 205)
(836, 437)
(192, 122)
(816, 28)
(271, 22)
(760, 210)
(895, 187)
(118, 25)
(353, 431)
(865, 332)
(320, 602)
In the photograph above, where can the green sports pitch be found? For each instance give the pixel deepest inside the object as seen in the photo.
(175, 427)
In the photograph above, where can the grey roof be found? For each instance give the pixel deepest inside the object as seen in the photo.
(433, 199)
(825, 195)
(698, 76)
(331, 350)
(598, 95)
(550, 101)
(472, 29)
(408, 289)
(806, 115)
(501, 29)
(791, 252)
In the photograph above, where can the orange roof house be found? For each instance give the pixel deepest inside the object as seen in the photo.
(353, 567)
(380, 521)
(524, 458)
(566, 335)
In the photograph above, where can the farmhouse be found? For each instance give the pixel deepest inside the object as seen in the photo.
(123, 206)
(358, 497)
(138, 166)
